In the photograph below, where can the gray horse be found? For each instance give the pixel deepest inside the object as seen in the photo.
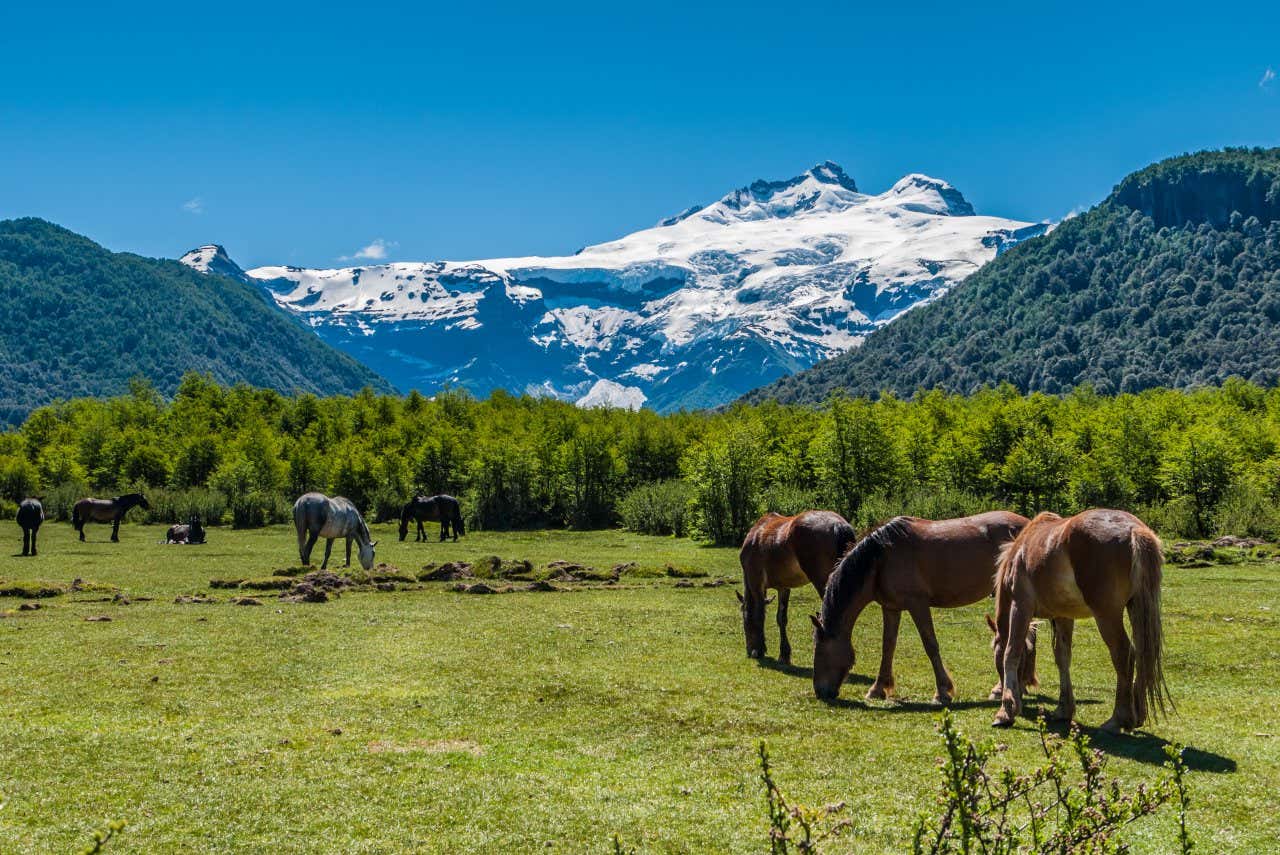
(316, 515)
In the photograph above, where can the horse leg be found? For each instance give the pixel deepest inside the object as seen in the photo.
(884, 684)
(784, 646)
(307, 547)
(348, 564)
(35, 531)
(1015, 648)
(328, 547)
(1111, 627)
(115, 529)
(422, 532)
(26, 541)
(1062, 632)
(923, 619)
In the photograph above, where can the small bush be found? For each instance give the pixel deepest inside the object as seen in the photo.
(659, 507)
(8, 509)
(177, 506)
(789, 500)
(1247, 511)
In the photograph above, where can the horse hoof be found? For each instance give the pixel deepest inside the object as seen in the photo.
(1003, 719)
(1112, 725)
(942, 700)
(877, 693)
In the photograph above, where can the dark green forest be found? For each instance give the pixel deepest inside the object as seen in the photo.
(1191, 463)
(77, 319)
(1172, 281)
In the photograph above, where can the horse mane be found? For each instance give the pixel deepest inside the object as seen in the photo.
(855, 568)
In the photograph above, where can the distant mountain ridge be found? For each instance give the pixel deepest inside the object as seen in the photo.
(693, 312)
(77, 319)
(1173, 280)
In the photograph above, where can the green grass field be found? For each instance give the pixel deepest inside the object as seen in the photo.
(433, 721)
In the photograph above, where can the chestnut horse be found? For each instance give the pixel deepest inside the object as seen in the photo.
(913, 565)
(784, 553)
(1097, 564)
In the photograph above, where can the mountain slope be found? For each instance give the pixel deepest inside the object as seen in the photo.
(1174, 280)
(693, 312)
(77, 319)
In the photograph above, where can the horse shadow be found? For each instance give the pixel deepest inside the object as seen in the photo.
(805, 671)
(1144, 747)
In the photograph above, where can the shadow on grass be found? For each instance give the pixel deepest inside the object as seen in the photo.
(806, 672)
(1148, 748)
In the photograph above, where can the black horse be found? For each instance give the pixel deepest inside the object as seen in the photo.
(192, 533)
(442, 509)
(30, 515)
(106, 510)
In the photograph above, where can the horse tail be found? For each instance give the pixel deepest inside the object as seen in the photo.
(300, 525)
(77, 521)
(459, 527)
(1144, 614)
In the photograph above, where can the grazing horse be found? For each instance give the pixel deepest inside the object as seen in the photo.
(106, 510)
(30, 515)
(316, 515)
(1097, 564)
(913, 565)
(784, 553)
(443, 509)
(192, 533)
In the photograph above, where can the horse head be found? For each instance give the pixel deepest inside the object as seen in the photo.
(833, 658)
(366, 554)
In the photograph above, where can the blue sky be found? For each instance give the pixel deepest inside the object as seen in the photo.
(299, 133)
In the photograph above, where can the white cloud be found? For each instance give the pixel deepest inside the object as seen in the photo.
(375, 251)
(194, 205)
(1267, 77)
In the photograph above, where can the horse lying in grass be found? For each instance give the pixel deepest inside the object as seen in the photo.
(192, 533)
(783, 553)
(442, 509)
(30, 516)
(1097, 564)
(106, 510)
(911, 565)
(316, 515)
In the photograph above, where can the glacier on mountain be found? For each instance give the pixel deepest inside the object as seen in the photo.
(693, 312)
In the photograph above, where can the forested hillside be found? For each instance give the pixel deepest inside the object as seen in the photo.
(1191, 463)
(1173, 281)
(77, 319)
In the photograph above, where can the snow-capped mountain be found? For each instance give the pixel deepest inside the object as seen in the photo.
(693, 312)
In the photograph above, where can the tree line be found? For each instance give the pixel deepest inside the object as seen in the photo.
(1192, 463)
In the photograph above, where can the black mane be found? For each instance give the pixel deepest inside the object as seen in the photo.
(853, 571)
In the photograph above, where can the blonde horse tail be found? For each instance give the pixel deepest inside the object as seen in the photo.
(1150, 690)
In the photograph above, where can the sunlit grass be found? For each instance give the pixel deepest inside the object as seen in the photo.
(427, 720)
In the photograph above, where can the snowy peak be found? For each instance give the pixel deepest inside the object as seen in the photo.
(825, 187)
(926, 195)
(212, 258)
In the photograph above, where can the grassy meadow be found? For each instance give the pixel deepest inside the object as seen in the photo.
(434, 721)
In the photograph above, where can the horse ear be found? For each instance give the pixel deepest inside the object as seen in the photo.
(991, 623)
(817, 623)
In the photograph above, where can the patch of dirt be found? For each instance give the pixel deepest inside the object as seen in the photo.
(715, 583)
(494, 567)
(571, 571)
(193, 599)
(245, 601)
(225, 583)
(98, 618)
(683, 572)
(1231, 540)
(684, 583)
(316, 587)
(450, 572)
(268, 583)
(29, 607)
(426, 746)
(477, 588)
(541, 585)
(33, 590)
(628, 567)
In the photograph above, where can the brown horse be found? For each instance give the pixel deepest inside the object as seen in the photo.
(913, 565)
(784, 553)
(1096, 564)
(106, 510)
(442, 509)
